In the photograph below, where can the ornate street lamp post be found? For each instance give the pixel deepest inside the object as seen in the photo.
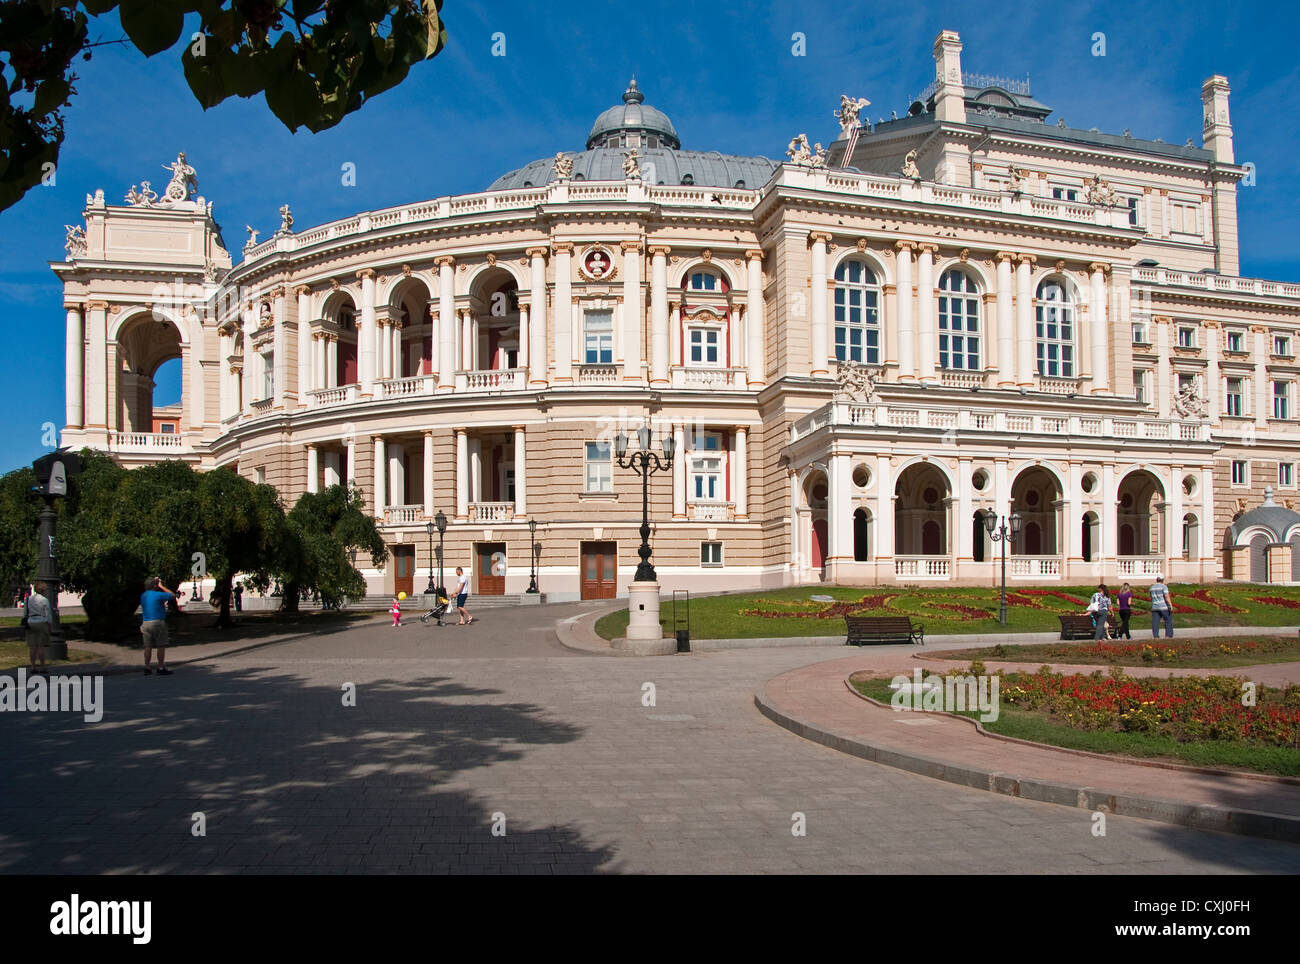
(998, 533)
(532, 555)
(644, 463)
(440, 520)
(430, 589)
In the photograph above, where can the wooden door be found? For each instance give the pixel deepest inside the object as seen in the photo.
(599, 570)
(490, 568)
(403, 569)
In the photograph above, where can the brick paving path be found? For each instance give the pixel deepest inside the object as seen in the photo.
(453, 726)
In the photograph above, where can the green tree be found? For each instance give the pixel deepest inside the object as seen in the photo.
(315, 61)
(241, 526)
(19, 506)
(322, 531)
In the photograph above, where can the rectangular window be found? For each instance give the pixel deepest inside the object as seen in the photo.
(260, 475)
(1184, 218)
(1132, 204)
(704, 347)
(1141, 386)
(706, 465)
(857, 323)
(1186, 337)
(1235, 396)
(1281, 400)
(959, 325)
(597, 466)
(1282, 346)
(1286, 473)
(1140, 333)
(704, 281)
(268, 374)
(1235, 341)
(167, 428)
(598, 335)
(1240, 472)
(710, 553)
(1065, 193)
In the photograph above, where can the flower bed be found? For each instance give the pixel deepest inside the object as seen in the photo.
(1276, 601)
(1187, 709)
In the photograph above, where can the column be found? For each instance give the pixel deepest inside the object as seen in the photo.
(1173, 523)
(563, 310)
(1164, 372)
(476, 470)
(633, 313)
(331, 469)
(313, 469)
(926, 349)
(1208, 551)
(522, 360)
(318, 379)
(1026, 345)
(659, 315)
(96, 413)
(965, 541)
(395, 368)
(1212, 390)
(74, 369)
(467, 346)
(381, 479)
(307, 356)
(224, 348)
(350, 443)
(396, 474)
(537, 350)
(366, 334)
(331, 378)
(1263, 405)
(820, 335)
(742, 472)
(906, 340)
(446, 324)
(755, 321)
(839, 521)
(384, 352)
(1109, 547)
(1098, 327)
(462, 474)
(428, 475)
(1007, 362)
(521, 473)
(679, 473)
(884, 521)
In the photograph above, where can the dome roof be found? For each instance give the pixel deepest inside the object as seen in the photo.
(1277, 519)
(633, 115)
(635, 124)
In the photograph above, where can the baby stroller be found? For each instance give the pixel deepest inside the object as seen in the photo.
(439, 610)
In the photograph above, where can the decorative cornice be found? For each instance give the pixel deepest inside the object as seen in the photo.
(1259, 329)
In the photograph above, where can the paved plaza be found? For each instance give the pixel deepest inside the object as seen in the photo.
(457, 729)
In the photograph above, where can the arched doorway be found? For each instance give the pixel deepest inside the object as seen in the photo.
(819, 543)
(978, 536)
(409, 349)
(1140, 518)
(339, 366)
(861, 535)
(1089, 536)
(1259, 558)
(1191, 537)
(921, 512)
(1036, 496)
(495, 328)
(813, 538)
(145, 344)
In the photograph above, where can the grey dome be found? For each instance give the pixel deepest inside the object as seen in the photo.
(633, 115)
(1277, 519)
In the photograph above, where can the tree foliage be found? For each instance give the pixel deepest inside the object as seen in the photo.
(321, 531)
(315, 61)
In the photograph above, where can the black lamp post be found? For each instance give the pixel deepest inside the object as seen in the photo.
(532, 555)
(440, 521)
(998, 533)
(431, 589)
(644, 463)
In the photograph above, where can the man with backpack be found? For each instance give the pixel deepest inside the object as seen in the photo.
(1099, 607)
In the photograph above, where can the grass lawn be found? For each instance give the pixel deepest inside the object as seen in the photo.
(959, 609)
(1205, 652)
(9, 622)
(14, 654)
(1039, 727)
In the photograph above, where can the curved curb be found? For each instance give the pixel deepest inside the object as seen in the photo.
(1251, 823)
(571, 638)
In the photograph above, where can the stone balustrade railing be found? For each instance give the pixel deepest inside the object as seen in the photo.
(399, 515)
(491, 511)
(145, 441)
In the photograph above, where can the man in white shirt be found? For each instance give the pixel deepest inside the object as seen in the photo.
(36, 610)
(462, 593)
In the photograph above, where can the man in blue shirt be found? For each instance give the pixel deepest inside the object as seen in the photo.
(153, 627)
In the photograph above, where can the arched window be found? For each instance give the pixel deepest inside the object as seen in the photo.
(347, 319)
(959, 321)
(702, 281)
(1054, 308)
(688, 178)
(857, 313)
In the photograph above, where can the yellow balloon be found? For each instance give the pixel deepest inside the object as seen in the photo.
(401, 595)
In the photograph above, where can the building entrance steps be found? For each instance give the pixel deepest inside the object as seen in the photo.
(816, 703)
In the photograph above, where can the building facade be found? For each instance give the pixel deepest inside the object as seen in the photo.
(860, 352)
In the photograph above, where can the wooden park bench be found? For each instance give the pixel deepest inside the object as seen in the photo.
(865, 630)
(1079, 625)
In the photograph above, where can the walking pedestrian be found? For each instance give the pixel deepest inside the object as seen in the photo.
(396, 610)
(1162, 609)
(37, 620)
(239, 597)
(462, 593)
(153, 623)
(1099, 606)
(1125, 610)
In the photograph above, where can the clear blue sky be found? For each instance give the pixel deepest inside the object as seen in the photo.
(725, 73)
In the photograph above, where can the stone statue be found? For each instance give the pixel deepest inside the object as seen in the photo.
(252, 236)
(183, 183)
(1099, 191)
(146, 197)
(798, 150)
(818, 155)
(909, 166)
(1188, 403)
(632, 164)
(286, 220)
(210, 269)
(76, 241)
(1017, 183)
(847, 115)
(855, 381)
(562, 167)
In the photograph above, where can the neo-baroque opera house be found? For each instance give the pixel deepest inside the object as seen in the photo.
(860, 351)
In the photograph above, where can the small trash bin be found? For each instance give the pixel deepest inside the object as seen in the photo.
(683, 640)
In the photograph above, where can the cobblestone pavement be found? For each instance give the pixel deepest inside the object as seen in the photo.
(458, 728)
